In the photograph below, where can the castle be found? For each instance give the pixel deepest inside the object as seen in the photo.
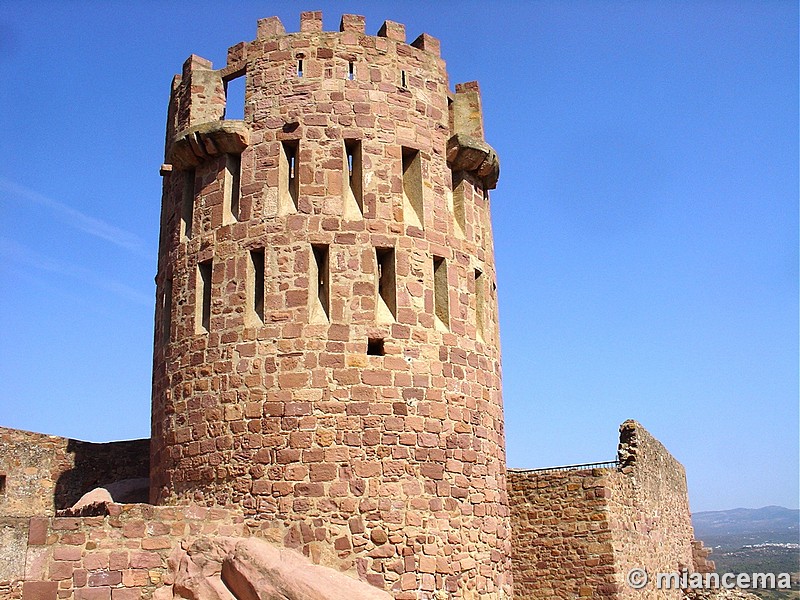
(326, 367)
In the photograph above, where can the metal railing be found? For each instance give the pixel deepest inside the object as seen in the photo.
(612, 464)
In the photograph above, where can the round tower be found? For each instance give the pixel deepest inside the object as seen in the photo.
(326, 342)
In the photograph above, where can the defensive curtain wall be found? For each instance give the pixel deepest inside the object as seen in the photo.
(576, 531)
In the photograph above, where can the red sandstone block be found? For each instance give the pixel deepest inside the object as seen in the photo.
(314, 490)
(296, 472)
(156, 543)
(133, 529)
(408, 581)
(358, 408)
(135, 578)
(79, 577)
(99, 593)
(432, 470)
(292, 380)
(105, 578)
(339, 332)
(376, 377)
(310, 21)
(323, 472)
(76, 538)
(427, 564)
(65, 523)
(71, 553)
(96, 560)
(298, 409)
(269, 27)
(384, 551)
(126, 594)
(37, 531)
(393, 31)
(145, 560)
(39, 590)
(354, 23)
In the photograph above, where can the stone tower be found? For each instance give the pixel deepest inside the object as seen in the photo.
(326, 349)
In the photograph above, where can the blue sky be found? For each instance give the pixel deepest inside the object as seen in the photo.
(646, 218)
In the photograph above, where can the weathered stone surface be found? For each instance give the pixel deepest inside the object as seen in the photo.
(39, 590)
(466, 153)
(200, 143)
(13, 544)
(125, 491)
(719, 594)
(252, 569)
(578, 532)
(45, 473)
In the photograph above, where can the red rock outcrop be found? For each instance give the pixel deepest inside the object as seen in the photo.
(252, 569)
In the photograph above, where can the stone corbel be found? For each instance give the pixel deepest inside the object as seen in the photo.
(203, 142)
(466, 153)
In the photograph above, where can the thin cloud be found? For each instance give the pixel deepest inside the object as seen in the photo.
(82, 222)
(28, 257)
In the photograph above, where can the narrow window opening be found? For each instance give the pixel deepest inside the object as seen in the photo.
(233, 174)
(479, 303)
(320, 279)
(166, 311)
(234, 98)
(187, 204)
(459, 215)
(375, 347)
(353, 180)
(413, 209)
(351, 70)
(288, 175)
(203, 313)
(386, 304)
(403, 79)
(299, 67)
(257, 282)
(450, 114)
(441, 306)
(2, 483)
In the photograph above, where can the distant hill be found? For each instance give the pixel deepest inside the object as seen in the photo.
(754, 540)
(732, 529)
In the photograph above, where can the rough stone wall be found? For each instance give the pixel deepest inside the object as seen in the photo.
(390, 452)
(649, 511)
(579, 532)
(120, 556)
(45, 473)
(562, 540)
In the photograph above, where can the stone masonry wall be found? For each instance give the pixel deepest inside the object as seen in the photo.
(561, 535)
(579, 532)
(44, 473)
(649, 511)
(351, 394)
(120, 556)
